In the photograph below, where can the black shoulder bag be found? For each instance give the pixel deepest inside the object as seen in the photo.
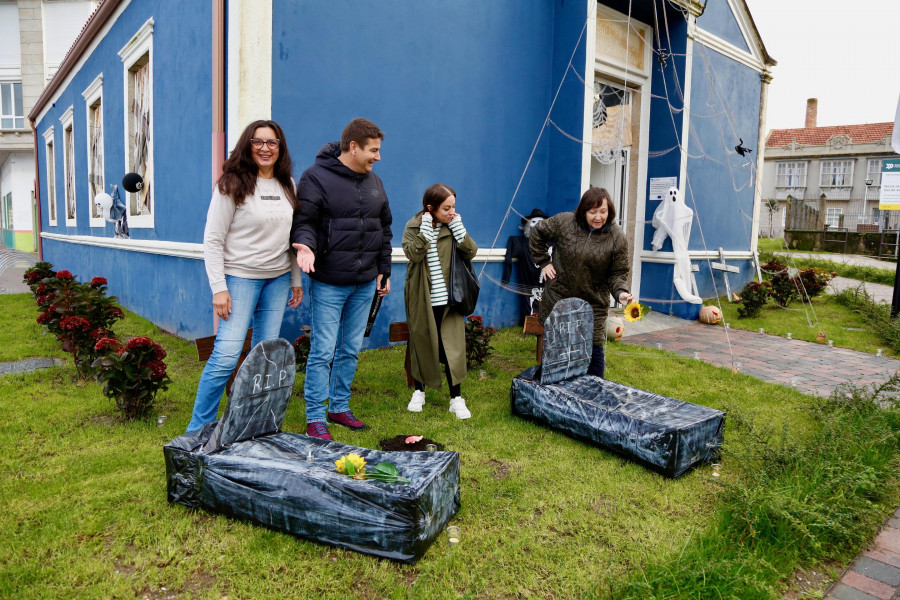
(463, 285)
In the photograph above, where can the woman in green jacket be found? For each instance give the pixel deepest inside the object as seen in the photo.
(590, 261)
(437, 334)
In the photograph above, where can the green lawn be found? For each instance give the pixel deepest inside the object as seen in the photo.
(842, 325)
(543, 516)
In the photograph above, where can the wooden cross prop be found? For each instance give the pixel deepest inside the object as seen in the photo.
(721, 266)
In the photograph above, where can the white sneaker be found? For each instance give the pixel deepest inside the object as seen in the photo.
(458, 407)
(417, 402)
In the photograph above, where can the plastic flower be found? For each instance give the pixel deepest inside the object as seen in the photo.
(413, 439)
(351, 464)
(634, 312)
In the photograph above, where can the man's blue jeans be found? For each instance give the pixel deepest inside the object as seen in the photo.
(339, 314)
(261, 301)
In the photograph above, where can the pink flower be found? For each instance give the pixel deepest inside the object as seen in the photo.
(413, 439)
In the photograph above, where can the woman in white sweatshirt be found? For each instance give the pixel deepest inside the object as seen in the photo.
(248, 257)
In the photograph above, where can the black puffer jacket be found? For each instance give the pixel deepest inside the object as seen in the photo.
(591, 265)
(345, 219)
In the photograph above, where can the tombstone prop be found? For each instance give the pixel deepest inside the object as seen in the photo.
(667, 435)
(244, 466)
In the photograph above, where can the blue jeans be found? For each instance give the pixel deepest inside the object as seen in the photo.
(339, 314)
(261, 301)
(598, 362)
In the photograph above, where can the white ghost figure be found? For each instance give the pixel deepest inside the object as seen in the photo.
(673, 218)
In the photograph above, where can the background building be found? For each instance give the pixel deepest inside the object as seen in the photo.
(841, 163)
(34, 38)
(516, 104)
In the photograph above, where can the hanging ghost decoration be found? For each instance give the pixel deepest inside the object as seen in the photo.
(673, 219)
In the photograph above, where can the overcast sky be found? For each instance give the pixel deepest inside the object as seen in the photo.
(846, 54)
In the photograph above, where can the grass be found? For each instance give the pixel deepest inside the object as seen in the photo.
(842, 324)
(543, 516)
(768, 246)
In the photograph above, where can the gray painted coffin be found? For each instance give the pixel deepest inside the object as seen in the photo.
(244, 466)
(665, 434)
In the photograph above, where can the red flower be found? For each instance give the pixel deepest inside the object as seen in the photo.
(116, 312)
(106, 342)
(98, 281)
(41, 289)
(64, 275)
(139, 342)
(157, 368)
(101, 332)
(44, 317)
(158, 351)
(33, 277)
(476, 319)
(73, 322)
(46, 299)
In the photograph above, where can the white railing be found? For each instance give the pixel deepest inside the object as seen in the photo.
(837, 193)
(873, 192)
(781, 193)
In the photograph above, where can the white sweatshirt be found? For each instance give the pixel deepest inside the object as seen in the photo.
(252, 240)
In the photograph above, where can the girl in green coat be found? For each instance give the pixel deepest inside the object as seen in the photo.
(437, 334)
(590, 261)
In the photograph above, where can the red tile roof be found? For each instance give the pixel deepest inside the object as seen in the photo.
(819, 136)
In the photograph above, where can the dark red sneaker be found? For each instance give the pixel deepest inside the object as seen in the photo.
(346, 419)
(319, 430)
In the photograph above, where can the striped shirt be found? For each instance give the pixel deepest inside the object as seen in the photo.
(439, 295)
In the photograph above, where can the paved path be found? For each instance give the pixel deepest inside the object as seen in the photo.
(811, 368)
(847, 259)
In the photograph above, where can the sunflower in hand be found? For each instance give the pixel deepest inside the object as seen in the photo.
(635, 311)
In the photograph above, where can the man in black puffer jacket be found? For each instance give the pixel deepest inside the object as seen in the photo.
(342, 235)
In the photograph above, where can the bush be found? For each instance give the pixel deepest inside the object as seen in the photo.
(783, 288)
(478, 341)
(301, 348)
(876, 315)
(753, 298)
(131, 374)
(36, 274)
(78, 314)
(814, 280)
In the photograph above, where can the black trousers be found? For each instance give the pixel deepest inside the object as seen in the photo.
(442, 356)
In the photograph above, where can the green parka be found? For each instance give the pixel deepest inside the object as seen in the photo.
(423, 345)
(591, 265)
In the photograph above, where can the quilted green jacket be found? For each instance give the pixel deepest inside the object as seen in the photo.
(591, 265)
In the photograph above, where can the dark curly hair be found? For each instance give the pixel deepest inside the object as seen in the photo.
(239, 172)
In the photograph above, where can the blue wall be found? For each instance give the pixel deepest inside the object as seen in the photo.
(724, 106)
(171, 292)
(461, 91)
(720, 21)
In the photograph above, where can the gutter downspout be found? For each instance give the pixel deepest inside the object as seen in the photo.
(37, 191)
(218, 100)
(766, 77)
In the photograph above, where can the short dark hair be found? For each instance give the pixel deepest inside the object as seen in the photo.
(239, 172)
(435, 196)
(359, 130)
(593, 198)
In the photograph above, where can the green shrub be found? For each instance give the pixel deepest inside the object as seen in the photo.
(131, 374)
(753, 298)
(478, 341)
(813, 280)
(783, 288)
(876, 315)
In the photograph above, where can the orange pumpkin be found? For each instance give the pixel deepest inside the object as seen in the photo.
(710, 315)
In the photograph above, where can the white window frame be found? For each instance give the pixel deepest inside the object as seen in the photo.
(50, 159)
(791, 174)
(874, 173)
(93, 96)
(67, 120)
(833, 216)
(828, 168)
(12, 115)
(139, 46)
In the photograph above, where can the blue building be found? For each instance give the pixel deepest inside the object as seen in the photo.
(516, 104)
